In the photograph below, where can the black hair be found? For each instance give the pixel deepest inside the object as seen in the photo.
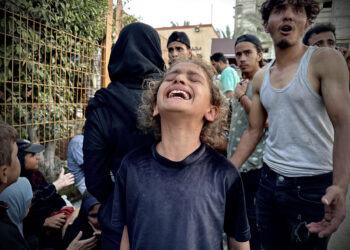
(312, 7)
(218, 57)
(316, 29)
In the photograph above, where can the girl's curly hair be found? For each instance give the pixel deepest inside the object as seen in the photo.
(213, 133)
(312, 7)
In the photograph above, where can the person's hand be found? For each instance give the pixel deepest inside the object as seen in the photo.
(63, 180)
(241, 88)
(86, 244)
(55, 221)
(334, 201)
(70, 221)
(97, 232)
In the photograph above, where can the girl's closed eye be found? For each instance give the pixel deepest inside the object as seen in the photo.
(195, 79)
(169, 78)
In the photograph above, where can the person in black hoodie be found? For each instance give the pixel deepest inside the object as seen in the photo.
(111, 119)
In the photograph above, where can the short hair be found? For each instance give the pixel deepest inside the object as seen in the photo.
(8, 136)
(212, 134)
(218, 57)
(317, 29)
(312, 8)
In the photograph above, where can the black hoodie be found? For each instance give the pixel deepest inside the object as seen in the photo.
(110, 130)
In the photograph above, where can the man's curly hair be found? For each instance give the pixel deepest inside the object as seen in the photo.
(212, 134)
(312, 8)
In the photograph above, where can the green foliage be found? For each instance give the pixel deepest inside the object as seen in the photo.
(83, 18)
(253, 25)
(186, 23)
(226, 34)
(127, 19)
(44, 70)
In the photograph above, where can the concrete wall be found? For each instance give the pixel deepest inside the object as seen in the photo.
(246, 6)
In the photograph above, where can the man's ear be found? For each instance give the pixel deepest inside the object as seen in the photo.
(211, 113)
(266, 27)
(260, 56)
(308, 23)
(190, 53)
(3, 174)
(155, 110)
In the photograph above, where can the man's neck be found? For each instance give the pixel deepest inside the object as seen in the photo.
(223, 67)
(287, 56)
(179, 139)
(250, 75)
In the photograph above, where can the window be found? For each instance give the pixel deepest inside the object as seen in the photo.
(327, 4)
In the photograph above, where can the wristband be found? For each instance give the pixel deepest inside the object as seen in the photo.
(239, 99)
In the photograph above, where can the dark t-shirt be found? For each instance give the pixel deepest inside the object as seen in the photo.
(179, 205)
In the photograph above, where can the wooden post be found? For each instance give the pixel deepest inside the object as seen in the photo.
(118, 19)
(108, 45)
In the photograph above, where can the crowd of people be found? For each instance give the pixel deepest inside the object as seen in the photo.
(178, 158)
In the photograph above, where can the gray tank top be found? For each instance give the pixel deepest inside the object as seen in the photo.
(301, 135)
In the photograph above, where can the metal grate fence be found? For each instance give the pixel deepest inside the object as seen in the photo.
(46, 79)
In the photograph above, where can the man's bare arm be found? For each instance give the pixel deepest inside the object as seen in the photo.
(254, 132)
(124, 244)
(330, 68)
(235, 245)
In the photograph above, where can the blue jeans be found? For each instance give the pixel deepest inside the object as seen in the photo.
(250, 181)
(285, 205)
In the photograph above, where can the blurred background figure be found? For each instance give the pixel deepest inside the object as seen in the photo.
(323, 35)
(75, 161)
(228, 78)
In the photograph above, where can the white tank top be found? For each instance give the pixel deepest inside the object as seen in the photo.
(301, 135)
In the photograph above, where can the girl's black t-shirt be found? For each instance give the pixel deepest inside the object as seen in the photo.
(179, 205)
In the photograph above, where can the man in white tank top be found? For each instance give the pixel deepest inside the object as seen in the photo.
(304, 92)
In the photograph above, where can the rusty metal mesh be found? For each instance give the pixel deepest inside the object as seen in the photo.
(46, 79)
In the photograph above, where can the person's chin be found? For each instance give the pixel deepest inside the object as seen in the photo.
(171, 61)
(284, 44)
(245, 69)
